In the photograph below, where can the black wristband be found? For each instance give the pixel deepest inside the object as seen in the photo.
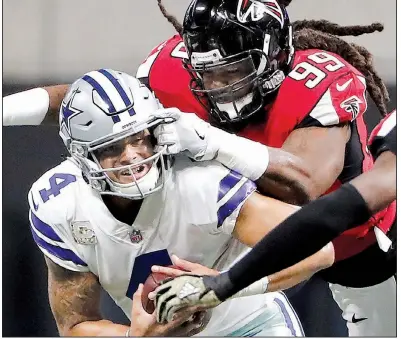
(298, 237)
(220, 284)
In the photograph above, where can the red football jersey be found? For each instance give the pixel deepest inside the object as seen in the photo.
(322, 89)
(163, 72)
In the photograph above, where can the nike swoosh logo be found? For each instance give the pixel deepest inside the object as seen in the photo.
(344, 86)
(201, 136)
(355, 320)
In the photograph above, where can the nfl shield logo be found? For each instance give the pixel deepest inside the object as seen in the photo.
(136, 236)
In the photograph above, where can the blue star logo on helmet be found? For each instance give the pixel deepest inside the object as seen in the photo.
(68, 110)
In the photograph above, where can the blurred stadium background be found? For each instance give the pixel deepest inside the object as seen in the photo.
(55, 41)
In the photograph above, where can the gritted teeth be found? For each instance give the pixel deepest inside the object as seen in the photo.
(136, 170)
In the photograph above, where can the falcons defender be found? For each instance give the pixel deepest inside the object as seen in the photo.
(241, 67)
(314, 112)
(309, 229)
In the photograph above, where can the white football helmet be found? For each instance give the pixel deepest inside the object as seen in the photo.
(101, 108)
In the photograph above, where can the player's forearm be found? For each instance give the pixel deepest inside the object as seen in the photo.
(311, 145)
(56, 95)
(275, 171)
(378, 187)
(247, 157)
(287, 178)
(34, 106)
(100, 328)
(301, 271)
(296, 238)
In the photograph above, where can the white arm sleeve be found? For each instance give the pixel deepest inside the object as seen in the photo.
(25, 108)
(242, 155)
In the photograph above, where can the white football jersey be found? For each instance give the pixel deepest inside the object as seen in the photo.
(192, 216)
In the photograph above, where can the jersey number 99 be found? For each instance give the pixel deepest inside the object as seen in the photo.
(315, 75)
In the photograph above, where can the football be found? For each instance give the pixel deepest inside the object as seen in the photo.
(150, 285)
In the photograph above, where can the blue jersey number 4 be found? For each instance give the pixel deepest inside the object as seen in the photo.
(57, 182)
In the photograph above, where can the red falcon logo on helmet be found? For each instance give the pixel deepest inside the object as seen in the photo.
(255, 10)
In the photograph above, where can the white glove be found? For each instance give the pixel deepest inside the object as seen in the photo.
(183, 291)
(201, 141)
(192, 290)
(187, 133)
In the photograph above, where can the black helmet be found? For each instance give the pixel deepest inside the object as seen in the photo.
(239, 51)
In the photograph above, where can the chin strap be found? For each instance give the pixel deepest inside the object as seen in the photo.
(232, 108)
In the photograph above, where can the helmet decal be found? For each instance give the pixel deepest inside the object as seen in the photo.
(255, 10)
(67, 109)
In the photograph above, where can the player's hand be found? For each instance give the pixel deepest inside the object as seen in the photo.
(186, 133)
(184, 267)
(181, 292)
(185, 323)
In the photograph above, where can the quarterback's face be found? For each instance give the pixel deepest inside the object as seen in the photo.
(128, 151)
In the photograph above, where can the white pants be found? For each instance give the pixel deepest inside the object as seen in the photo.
(368, 311)
(273, 316)
(280, 320)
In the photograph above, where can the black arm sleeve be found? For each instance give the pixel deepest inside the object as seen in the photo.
(384, 143)
(301, 235)
(384, 136)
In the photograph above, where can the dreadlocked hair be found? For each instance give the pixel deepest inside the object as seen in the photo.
(171, 18)
(335, 29)
(323, 34)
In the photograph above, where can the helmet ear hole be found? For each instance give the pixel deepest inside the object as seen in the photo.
(153, 140)
(90, 157)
